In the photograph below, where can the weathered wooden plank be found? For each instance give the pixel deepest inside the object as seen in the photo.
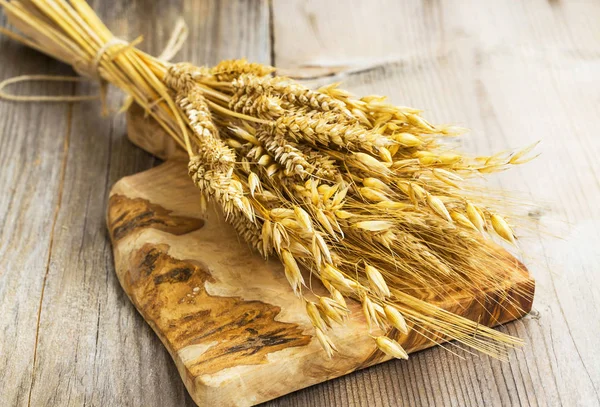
(89, 340)
(514, 72)
(91, 346)
(33, 144)
(225, 30)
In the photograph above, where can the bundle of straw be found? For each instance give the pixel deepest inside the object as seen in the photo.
(363, 194)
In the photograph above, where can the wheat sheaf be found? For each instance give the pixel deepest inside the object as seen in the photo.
(364, 196)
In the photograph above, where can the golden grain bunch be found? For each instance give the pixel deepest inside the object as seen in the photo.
(363, 195)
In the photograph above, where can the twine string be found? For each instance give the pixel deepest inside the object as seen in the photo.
(41, 98)
(176, 40)
(90, 70)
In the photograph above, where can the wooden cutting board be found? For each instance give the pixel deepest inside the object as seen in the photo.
(229, 319)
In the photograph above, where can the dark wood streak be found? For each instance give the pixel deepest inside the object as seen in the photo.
(91, 348)
(170, 293)
(126, 215)
(207, 335)
(539, 65)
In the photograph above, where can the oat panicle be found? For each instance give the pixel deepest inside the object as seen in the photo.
(362, 195)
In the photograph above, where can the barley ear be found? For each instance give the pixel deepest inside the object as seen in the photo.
(377, 281)
(390, 347)
(395, 318)
(475, 217)
(502, 229)
(292, 271)
(325, 342)
(315, 316)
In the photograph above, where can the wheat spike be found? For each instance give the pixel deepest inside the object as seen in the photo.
(231, 69)
(322, 179)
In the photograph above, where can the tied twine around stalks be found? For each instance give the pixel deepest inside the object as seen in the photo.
(89, 70)
(365, 195)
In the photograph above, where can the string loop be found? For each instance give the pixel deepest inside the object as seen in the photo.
(90, 70)
(41, 98)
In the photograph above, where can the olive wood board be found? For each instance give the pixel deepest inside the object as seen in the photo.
(236, 331)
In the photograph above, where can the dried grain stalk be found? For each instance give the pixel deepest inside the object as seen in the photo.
(363, 194)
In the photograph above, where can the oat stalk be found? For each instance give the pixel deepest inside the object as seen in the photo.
(365, 196)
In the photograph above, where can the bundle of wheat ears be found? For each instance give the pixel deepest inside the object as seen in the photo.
(365, 196)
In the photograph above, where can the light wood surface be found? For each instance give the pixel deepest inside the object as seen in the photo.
(513, 71)
(229, 318)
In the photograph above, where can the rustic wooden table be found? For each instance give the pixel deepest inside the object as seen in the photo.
(513, 71)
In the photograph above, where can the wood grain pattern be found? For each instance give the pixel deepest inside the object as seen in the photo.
(126, 216)
(69, 335)
(228, 317)
(209, 333)
(33, 148)
(73, 352)
(513, 71)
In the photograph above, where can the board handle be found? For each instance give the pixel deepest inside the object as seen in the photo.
(146, 133)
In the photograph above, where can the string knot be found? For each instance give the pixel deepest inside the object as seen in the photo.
(91, 68)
